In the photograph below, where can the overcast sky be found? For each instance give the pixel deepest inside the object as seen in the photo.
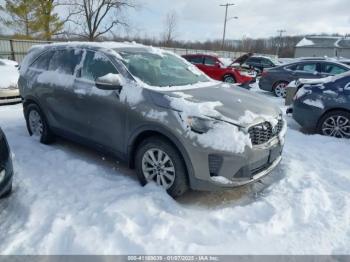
(203, 19)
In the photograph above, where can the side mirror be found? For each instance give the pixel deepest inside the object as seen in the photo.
(109, 82)
(217, 64)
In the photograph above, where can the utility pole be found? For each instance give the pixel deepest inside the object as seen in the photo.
(225, 22)
(280, 32)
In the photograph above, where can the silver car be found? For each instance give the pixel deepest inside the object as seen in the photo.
(155, 111)
(9, 92)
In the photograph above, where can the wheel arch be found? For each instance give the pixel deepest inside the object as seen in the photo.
(148, 131)
(330, 110)
(229, 74)
(278, 82)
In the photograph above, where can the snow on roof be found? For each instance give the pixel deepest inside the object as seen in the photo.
(324, 42)
(305, 42)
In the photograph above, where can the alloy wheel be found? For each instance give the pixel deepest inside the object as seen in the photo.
(336, 126)
(281, 90)
(157, 166)
(229, 79)
(35, 123)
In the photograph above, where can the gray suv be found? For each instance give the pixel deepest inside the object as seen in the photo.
(154, 110)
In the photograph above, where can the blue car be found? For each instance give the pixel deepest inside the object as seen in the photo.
(323, 105)
(6, 169)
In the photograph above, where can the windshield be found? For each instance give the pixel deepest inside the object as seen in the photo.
(161, 70)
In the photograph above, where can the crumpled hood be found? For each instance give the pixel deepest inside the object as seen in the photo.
(232, 103)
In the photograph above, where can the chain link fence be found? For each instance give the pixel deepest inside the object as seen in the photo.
(15, 49)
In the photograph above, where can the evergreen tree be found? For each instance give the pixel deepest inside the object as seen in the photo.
(20, 16)
(47, 21)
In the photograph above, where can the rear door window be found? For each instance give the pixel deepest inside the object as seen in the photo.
(209, 61)
(332, 69)
(196, 59)
(65, 61)
(308, 67)
(96, 65)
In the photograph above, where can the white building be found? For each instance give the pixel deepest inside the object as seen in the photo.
(320, 46)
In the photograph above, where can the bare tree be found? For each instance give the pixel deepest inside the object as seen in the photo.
(170, 27)
(95, 18)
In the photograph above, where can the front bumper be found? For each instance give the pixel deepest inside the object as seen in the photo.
(305, 115)
(9, 96)
(235, 169)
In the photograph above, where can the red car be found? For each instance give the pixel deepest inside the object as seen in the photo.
(213, 67)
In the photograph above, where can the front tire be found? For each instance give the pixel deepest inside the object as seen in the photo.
(37, 125)
(335, 124)
(280, 89)
(7, 193)
(159, 161)
(229, 79)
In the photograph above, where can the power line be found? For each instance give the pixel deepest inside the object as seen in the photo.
(227, 5)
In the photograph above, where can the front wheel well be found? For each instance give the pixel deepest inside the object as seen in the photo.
(330, 111)
(142, 137)
(279, 82)
(229, 74)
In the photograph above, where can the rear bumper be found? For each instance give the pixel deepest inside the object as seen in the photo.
(9, 96)
(305, 115)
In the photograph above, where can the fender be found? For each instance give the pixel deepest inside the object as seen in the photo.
(166, 133)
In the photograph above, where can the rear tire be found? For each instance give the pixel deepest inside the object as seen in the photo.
(335, 124)
(230, 79)
(280, 89)
(159, 161)
(37, 125)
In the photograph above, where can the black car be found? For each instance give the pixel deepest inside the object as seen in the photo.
(261, 62)
(6, 169)
(277, 79)
(323, 106)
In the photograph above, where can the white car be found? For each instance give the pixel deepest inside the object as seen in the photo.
(9, 74)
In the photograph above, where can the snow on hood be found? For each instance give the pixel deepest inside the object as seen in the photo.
(223, 102)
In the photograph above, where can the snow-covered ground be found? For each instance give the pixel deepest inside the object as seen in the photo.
(71, 200)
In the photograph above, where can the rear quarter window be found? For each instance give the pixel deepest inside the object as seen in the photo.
(64, 61)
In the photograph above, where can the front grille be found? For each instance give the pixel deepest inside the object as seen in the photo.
(263, 132)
